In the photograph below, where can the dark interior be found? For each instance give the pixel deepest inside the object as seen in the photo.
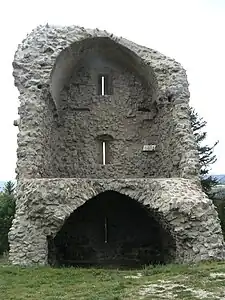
(114, 230)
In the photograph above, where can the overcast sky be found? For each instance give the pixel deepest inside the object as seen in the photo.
(191, 31)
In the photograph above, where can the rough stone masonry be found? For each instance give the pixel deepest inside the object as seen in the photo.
(104, 118)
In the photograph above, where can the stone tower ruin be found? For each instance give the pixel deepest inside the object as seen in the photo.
(107, 168)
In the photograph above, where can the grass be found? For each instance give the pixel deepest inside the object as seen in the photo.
(202, 281)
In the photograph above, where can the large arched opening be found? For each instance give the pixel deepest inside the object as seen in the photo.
(97, 52)
(112, 229)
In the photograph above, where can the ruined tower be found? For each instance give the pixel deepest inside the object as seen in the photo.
(107, 166)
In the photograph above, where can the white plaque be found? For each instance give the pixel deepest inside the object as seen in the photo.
(149, 148)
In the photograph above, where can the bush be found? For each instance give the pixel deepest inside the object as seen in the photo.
(7, 211)
(220, 207)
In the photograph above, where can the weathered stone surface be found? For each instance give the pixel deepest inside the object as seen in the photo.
(43, 205)
(63, 121)
(55, 70)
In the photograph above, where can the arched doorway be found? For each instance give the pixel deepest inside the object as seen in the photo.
(111, 229)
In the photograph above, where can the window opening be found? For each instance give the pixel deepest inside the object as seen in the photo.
(103, 153)
(106, 231)
(103, 85)
(104, 148)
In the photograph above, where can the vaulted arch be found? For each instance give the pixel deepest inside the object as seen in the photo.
(112, 229)
(97, 49)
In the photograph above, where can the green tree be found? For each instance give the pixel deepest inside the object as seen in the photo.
(9, 188)
(206, 152)
(207, 158)
(7, 211)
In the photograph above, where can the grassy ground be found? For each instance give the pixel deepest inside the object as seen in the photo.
(203, 281)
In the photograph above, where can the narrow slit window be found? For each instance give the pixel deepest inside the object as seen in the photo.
(106, 231)
(104, 146)
(103, 153)
(103, 85)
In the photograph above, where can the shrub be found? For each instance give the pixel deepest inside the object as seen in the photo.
(7, 211)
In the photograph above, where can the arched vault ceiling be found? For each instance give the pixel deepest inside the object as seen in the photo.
(70, 59)
(47, 56)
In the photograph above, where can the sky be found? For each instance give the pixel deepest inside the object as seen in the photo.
(190, 31)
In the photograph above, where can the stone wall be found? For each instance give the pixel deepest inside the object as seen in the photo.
(43, 67)
(63, 121)
(86, 116)
(36, 117)
(43, 205)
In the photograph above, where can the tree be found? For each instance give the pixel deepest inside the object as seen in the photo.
(9, 188)
(7, 211)
(206, 152)
(207, 158)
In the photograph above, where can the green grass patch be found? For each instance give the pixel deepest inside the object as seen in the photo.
(162, 282)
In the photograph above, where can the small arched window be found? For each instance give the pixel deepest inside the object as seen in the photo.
(104, 149)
